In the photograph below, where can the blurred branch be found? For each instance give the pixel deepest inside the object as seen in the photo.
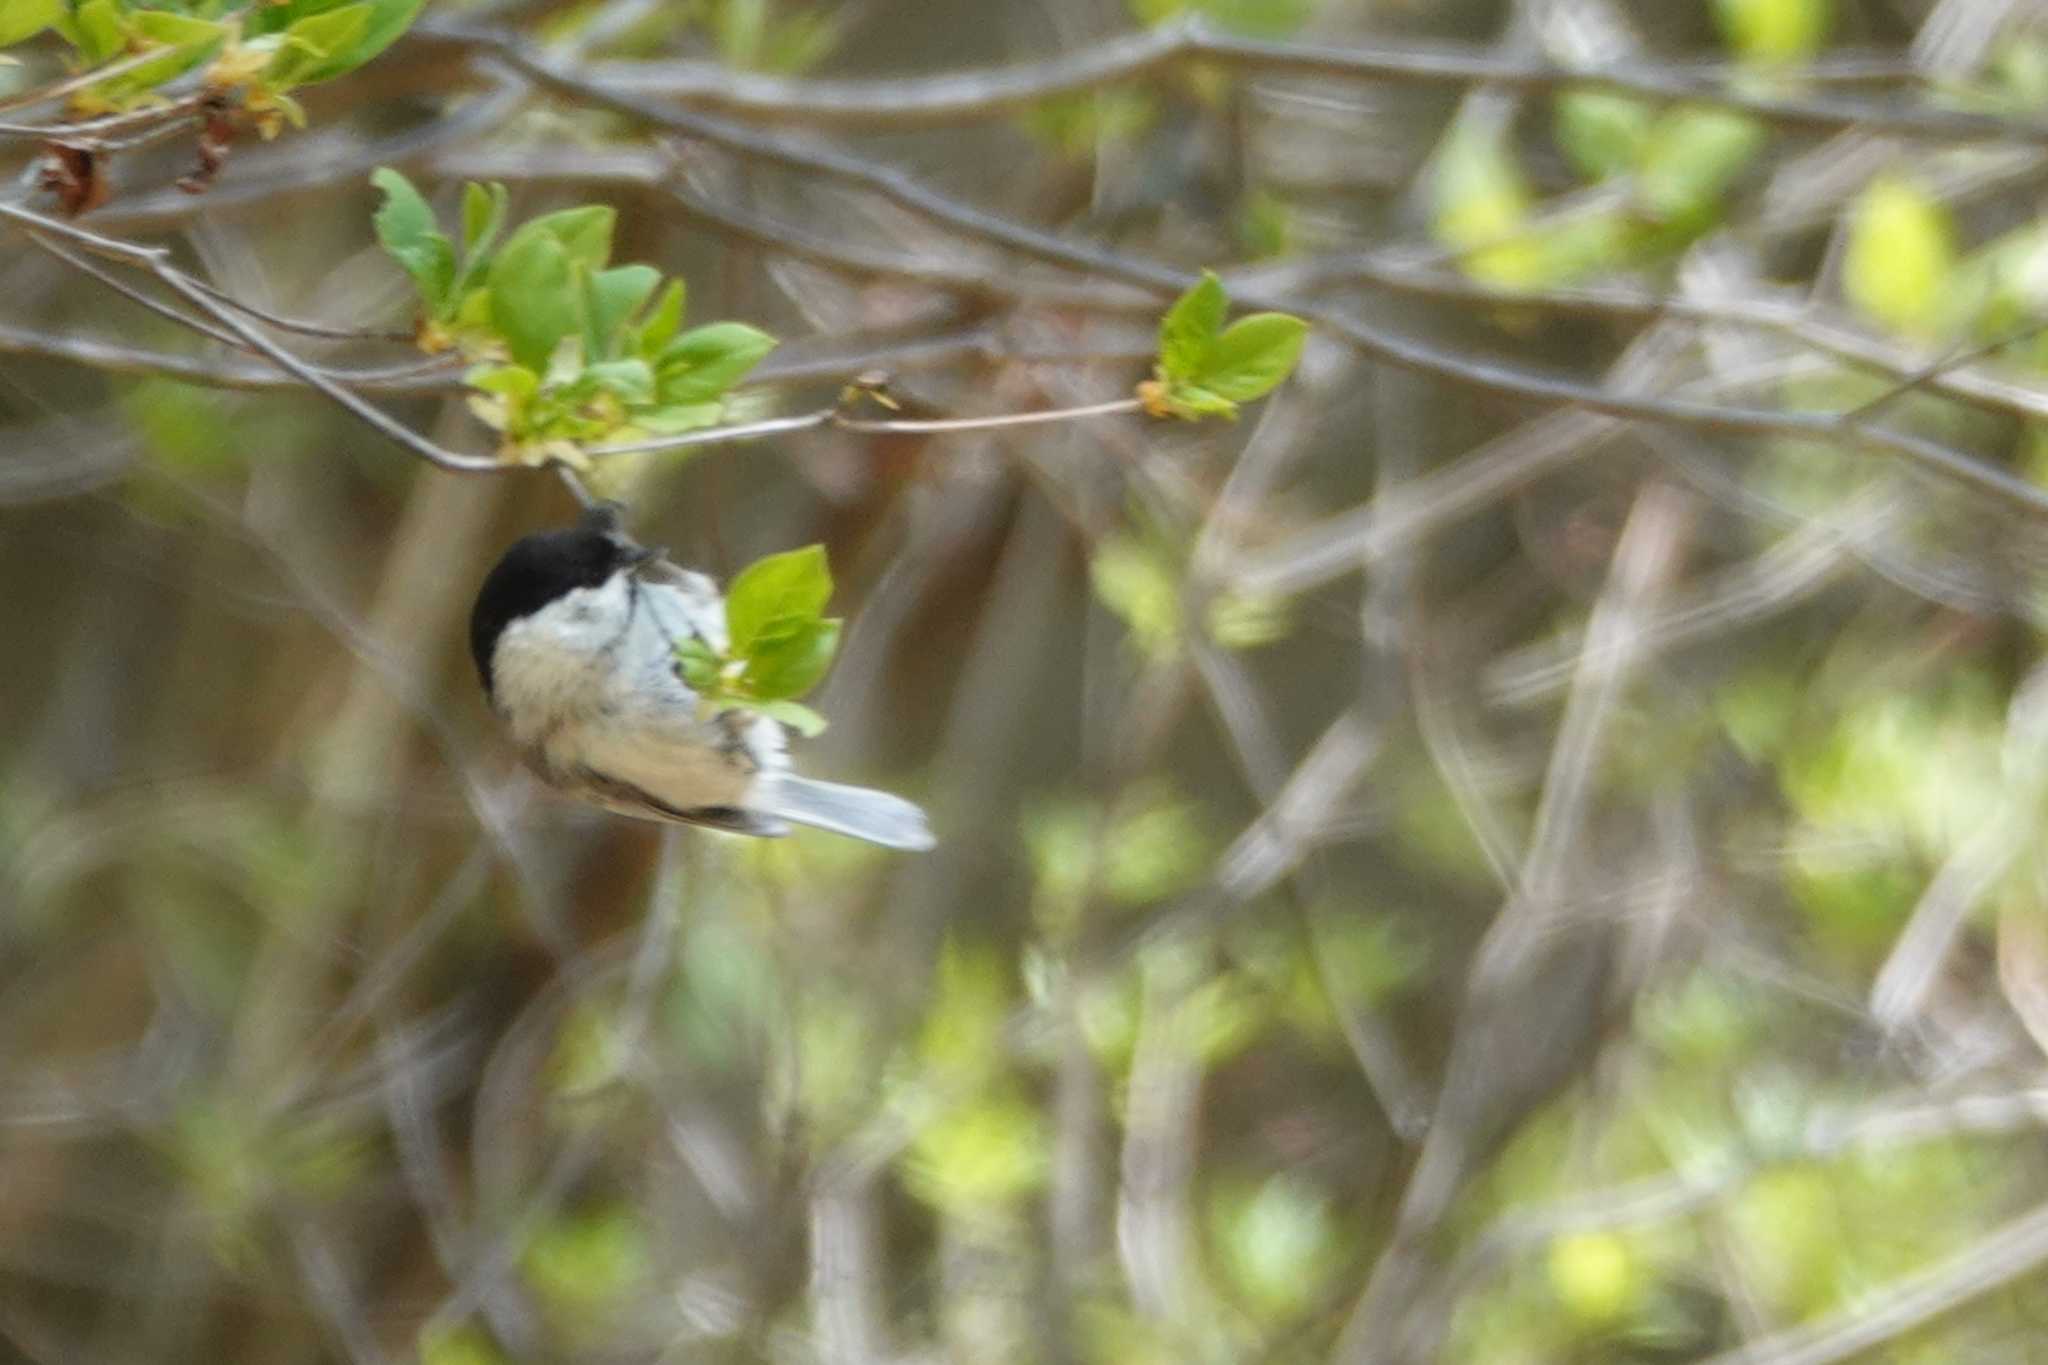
(948, 99)
(1378, 342)
(1905, 1304)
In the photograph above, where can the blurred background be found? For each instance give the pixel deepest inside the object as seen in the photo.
(1522, 848)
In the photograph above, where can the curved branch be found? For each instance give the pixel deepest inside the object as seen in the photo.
(1377, 342)
(928, 101)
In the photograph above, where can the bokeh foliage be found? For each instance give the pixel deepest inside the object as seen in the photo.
(327, 1036)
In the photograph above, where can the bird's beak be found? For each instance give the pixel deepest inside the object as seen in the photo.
(636, 555)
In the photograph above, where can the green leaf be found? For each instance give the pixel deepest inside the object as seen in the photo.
(771, 593)
(630, 380)
(1478, 195)
(1278, 1243)
(534, 299)
(1139, 586)
(1190, 328)
(587, 1264)
(673, 419)
(663, 322)
(1192, 401)
(701, 666)
(279, 15)
(191, 42)
(483, 216)
(584, 234)
(1901, 256)
(465, 1345)
(384, 21)
(1773, 32)
(388, 21)
(1692, 157)
(408, 232)
(316, 43)
(705, 362)
(784, 666)
(94, 28)
(1595, 1276)
(20, 19)
(610, 299)
(1253, 356)
(511, 381)
(794, 714)
(1601, 132)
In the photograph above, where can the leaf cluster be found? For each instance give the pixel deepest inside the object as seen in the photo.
(255, 50)
(568, 347)
(779, 642)
(1205, 368)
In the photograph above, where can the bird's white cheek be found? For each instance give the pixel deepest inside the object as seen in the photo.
(553, 668)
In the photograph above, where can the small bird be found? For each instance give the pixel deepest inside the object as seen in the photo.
(575, 633)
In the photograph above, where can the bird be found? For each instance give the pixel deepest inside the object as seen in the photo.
(575, 635)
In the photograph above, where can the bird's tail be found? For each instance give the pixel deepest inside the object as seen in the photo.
(861, 812)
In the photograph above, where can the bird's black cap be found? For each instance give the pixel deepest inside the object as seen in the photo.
(541, 567)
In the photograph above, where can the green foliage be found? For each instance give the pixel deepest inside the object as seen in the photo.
(976, 1161)
(1602, 133)
(253, 52)
(779, 642)
(21, 19)
(1078, 125)
(1207, 369)
(1901, 257)
(1480, 203)
(1774, 32)
(464, 1345)
(583, 1264)
(1690, 159)
(1145, 847)
(1677, 166)
(752, 35)
(1136, 581)
(1788, 1223)
(1277, 1241)
(1595, 1276)
(569, 350)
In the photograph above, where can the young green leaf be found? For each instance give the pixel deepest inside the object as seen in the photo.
(1253, 356)
(673, 419)
(388, 21)
(704, 362)
(784, 666)
(408, 232)
(383, 24)
(610, 298)
(1192, 401)
(512, 381)
(584, 234)
(794, 714)
(483, 216)
(629, 380)
(535, 302)
(1771, 32)
(701, 667)
(1691, 158)
(188, 42)
(1602, 133)
(315, 44)
(21, 19)
(663, 322)
(1190, 328)
(772, 593)
(1901, 256)
(94, 28)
